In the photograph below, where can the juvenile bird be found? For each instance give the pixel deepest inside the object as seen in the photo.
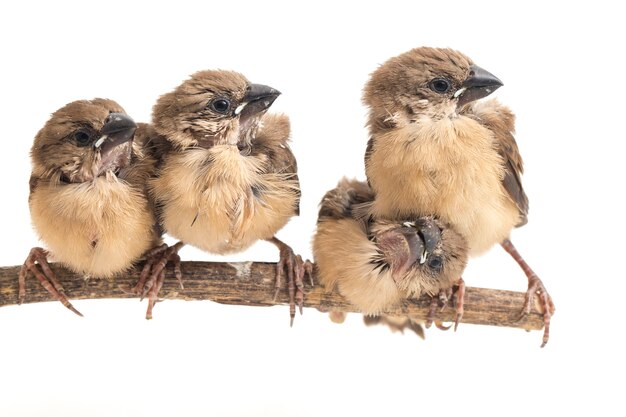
(88, 198)
(377, 264)
(435, 150)
(227, 176)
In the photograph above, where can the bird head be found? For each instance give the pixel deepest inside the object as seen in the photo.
(212, 108)
(423, 83)
(84, 140)
(431, 251)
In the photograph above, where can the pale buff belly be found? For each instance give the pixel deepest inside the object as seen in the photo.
(225, 206)
(483, 222)
(458, 179)
(221, 229)
(99, 228)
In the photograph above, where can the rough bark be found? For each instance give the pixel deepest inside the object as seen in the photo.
(252, 284)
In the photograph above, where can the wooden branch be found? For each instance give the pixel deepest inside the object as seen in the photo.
(252, 284)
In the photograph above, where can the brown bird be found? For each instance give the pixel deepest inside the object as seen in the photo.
(435, 150)
(227, 177)
(88, 197)
(383, 262)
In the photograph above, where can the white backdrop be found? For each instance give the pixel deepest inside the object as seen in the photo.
(563, 71)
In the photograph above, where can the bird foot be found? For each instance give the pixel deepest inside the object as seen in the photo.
(37, 264)
(295, 268)
(536, 288)
(441, 301)
(153, 274)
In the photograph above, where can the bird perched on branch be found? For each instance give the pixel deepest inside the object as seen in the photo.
(435, 149)
(227, 176)
(88, 197)
(376, 264)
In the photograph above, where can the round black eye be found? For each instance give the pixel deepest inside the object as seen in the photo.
(435, 263)
(220, 105)
(82, 138)
(439, 85)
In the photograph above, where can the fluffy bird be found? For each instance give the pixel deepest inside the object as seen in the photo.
(227, 177)
(383, 262)
(88, 199)
(435, 149)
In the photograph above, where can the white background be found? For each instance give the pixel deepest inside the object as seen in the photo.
(563, 71)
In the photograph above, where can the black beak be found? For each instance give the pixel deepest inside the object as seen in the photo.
(415, 244)
(430, 232)
(401, 248)
(479, 84)
(258, 98)
(118, 128)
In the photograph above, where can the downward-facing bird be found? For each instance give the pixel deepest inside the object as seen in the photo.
(377, 264)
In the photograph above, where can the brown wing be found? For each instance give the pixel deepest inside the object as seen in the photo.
(501, 121)
(368, 154)
(272, 140)
(32, 184)
(340, 202)
(148, 151)
(377, 126)
(151, 143)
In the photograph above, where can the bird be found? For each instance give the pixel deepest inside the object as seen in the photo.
(226, 175)
(377, 264)
(88, 198)
(436, 148)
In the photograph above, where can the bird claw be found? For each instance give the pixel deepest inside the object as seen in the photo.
(295, 268)
(443, 299)
(152, 275)
(47, 278)
(303, 268)
(459, 301)
(153, 294)
(536, 287)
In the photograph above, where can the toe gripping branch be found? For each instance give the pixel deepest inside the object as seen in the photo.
(153, 273)
(535, 288)
(37, 264)
(441, 301)
(295, 268)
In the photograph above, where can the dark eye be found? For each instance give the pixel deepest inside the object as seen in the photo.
(220, 105)
(82, 137)
(439, 85)
(435, 263)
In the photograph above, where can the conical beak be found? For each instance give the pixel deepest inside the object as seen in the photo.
(479, 84)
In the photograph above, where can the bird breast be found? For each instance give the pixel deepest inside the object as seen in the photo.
(449, 168)
(221, 201)
(97, 228)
